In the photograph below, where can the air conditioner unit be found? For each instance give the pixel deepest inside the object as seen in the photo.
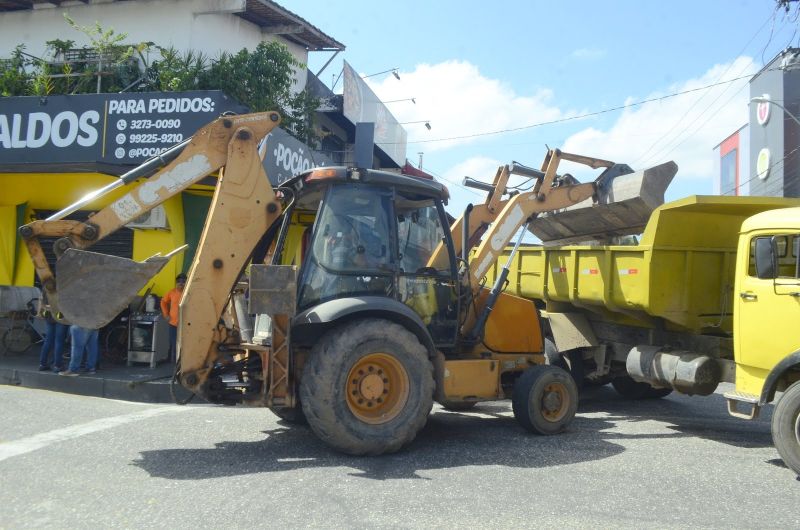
(154, 219)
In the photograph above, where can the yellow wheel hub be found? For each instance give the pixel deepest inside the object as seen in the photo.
(377, 388)
(555, 402)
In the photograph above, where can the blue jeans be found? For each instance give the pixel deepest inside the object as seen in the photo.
(173, 342)
(83, 338)
(53, 339)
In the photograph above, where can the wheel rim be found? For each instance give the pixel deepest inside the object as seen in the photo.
(377, 388)
(797, 429)
(555, 402)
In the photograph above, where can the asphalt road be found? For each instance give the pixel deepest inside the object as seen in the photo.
(78, 462)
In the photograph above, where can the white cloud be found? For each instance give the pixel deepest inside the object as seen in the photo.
(458, 100)
(588, 53)
(480, 168)
(683, 128)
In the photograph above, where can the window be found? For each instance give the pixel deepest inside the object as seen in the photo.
(419, 233)
(351, 246)
(787, 261)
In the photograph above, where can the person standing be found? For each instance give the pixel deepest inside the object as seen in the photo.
(169, 310)
(83, 339)
(54, 337)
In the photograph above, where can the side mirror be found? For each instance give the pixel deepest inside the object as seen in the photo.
(766, 258)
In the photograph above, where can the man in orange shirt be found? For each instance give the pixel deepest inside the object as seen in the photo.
(169, 310)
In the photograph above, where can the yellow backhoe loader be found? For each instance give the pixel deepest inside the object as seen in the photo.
(373, 305)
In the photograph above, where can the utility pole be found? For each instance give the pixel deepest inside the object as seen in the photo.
(420, 159)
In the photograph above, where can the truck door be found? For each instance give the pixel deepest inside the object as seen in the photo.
(768, 307)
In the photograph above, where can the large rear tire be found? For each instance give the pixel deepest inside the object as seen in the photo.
(367, 387)
(630, 389)
(545, 399)
(786, 427)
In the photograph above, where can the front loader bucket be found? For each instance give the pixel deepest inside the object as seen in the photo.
(94, 288)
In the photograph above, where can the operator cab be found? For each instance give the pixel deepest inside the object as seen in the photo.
(373, 235)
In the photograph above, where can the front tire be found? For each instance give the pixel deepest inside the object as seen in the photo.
(545, 399)
(786, 427)
(367, 387)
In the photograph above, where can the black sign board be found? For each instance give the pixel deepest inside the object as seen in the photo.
(101, 130)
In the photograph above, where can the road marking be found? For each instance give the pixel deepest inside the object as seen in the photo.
(42, 440)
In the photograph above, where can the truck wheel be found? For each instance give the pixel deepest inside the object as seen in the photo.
(293, 415)
(458, 406)
(786, 427)
(367, 387)
(630, 389)
(572, 362)
(544, 399)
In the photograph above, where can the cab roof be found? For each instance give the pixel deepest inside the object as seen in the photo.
(326, 175)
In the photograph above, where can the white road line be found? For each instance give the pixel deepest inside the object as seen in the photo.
(40, 441)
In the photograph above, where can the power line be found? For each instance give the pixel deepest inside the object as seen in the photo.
(643, 156)
(579, 116)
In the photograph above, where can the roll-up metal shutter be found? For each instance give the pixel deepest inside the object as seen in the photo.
(119, 243)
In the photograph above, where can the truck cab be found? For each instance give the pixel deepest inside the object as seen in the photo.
(767, 303)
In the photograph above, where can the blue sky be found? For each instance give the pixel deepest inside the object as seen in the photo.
(477, 67)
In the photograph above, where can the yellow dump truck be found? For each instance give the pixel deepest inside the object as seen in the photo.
(710, 294)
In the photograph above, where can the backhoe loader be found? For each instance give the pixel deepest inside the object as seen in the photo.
(375, 306)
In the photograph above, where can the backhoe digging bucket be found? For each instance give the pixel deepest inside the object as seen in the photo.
(94, 288)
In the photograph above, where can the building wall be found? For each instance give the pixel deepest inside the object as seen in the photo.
(208, 26)
(768, 136)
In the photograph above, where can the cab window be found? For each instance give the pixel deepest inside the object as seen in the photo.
(787, 252)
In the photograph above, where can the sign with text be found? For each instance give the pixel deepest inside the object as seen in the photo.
(113, 129)
(361, 105)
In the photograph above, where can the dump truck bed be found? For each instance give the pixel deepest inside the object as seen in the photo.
(682, 271)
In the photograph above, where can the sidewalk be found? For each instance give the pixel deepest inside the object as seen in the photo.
(130, 383)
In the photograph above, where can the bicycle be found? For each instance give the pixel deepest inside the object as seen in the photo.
(25, 330)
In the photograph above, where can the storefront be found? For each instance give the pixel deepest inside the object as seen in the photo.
(53, 151)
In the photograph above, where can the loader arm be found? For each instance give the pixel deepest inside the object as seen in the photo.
(501, 218)
(84, 280)
(242, 210)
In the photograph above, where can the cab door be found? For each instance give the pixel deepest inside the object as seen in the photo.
(767, 307)
(427, 287)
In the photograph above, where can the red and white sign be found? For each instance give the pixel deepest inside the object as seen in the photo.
(762, 110)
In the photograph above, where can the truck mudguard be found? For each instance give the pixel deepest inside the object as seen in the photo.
(768, 391)
(309, 325)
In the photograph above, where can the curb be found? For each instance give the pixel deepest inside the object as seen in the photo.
(92, 385)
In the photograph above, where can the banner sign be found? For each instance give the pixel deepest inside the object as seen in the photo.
(287, 156)
(362, 105)
(113, 129)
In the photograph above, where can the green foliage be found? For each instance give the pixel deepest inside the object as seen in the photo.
(261, 80)
(14, 79)
(176, 71)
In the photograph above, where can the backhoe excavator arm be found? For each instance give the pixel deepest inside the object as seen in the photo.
(243, 208)
(91, 289)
